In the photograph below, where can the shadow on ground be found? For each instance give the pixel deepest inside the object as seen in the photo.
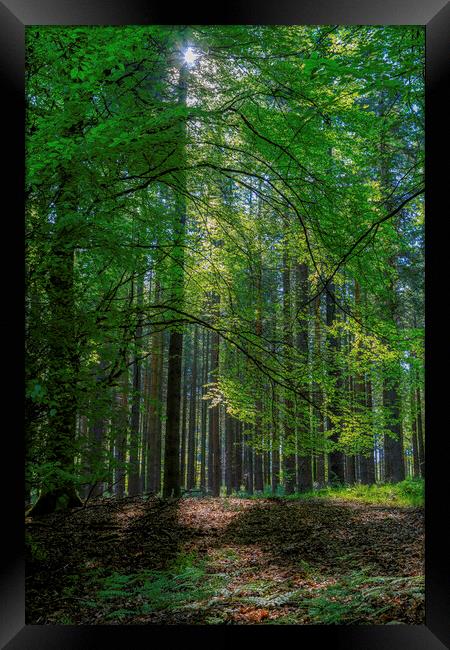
(245, 548)
(333, 537)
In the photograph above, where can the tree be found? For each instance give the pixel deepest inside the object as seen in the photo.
(254, 217)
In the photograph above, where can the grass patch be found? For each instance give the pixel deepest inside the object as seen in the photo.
(410, 492)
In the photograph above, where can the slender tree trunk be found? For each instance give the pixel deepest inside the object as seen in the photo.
(319, 442)
(420, 438)
(394, 468)
(96, 454)
(360, 396)
(258, 469)
(275, 424)
(172, 440)
(266, 474)
(303, 442)
(83, 432)
(154, 415)
(350, 470)
(183, 430)
(204, 418)
(367, 461)
(289, 431)
(171, 487)
(214, 469)
(134, 483)
(275, 456)
(238, 456)
(414, 442)
(192, 416)
(145, 424)
(121, 432)
(229, 441)
(248, 461)
(336, 463)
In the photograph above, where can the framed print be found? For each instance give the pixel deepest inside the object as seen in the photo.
(228, 267)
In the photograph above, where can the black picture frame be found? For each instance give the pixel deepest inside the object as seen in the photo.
(14, 16)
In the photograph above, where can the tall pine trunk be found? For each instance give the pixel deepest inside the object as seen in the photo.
(289, 431)
(336, 462)
(134, 482)
(171, 487)
(304, 466)
(204, 413)
(214, 465)
(192, 417)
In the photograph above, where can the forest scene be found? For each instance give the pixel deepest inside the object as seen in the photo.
(224, 315)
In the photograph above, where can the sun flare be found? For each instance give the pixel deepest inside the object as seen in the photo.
(190, 56)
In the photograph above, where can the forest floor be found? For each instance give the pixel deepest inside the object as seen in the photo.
(226, 561)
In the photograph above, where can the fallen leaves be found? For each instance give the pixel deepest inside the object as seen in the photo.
(251, 615)
(277, 558)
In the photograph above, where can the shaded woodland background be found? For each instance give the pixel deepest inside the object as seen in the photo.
(224, 232)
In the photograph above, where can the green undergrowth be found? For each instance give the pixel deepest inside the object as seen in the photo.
(354, 598)
(184, 583)
(410, 492)
(357, 598)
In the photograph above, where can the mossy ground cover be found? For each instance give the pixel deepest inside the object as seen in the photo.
(410, 492)
(407, 493)
(227, 561)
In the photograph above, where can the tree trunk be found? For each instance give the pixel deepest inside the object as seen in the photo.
(350, 470)
(96, 452)
(394, 467)
(183, 430)
(214, 469)
(229, 455)
(62, 366)
(172, 440)
(420, 438)
(192, 417)
(336, 463)
(275, 449)
(367, 462)
(289, 432)
(171, 487)
(237, 479)
(204, 418)
(120, 420)
(145, 424)
(318, 399)
(134, 483)
(258, 469)
(154, 414)
(248, 466)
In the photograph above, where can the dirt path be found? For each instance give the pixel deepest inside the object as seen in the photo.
(227, 560)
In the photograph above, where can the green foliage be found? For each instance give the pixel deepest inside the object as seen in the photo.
(184, 582)
(357, 597)
(294, 144)
(410, 492)
(34, 550)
